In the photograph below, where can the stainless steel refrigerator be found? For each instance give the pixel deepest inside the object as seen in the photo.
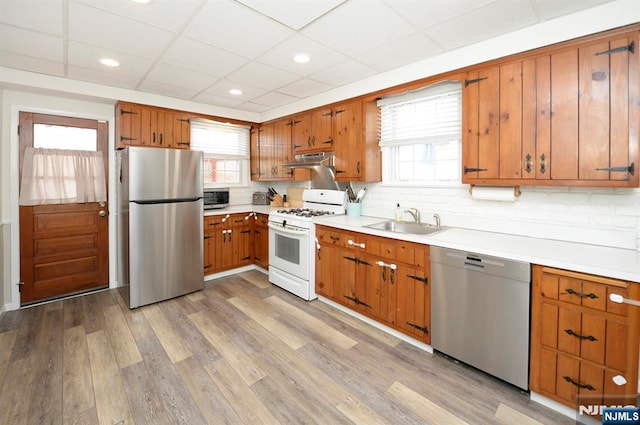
(160, 221)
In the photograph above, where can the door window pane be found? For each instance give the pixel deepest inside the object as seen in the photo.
(62, 137)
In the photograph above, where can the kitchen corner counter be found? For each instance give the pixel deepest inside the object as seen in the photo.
(599, 260)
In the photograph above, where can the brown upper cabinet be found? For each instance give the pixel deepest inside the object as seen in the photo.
(141, 125)
(569, 116)
(271, 148)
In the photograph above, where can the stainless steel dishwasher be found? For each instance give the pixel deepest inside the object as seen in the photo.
(480, 312)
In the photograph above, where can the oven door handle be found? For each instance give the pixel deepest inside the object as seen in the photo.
(287, 230)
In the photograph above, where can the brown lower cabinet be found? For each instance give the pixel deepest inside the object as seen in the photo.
(261, 241)
(382, 278)
(584, 347)
(228, 241)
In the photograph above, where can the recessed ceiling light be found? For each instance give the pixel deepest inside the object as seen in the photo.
(110, 62)
(142, 1)
(235, 92)
(302, 58)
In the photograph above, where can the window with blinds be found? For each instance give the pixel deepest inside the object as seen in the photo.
(421, 135)
(226, 151)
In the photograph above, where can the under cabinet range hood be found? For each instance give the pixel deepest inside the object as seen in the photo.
(320, 165)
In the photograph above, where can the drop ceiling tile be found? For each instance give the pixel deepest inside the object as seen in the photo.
(344, 73)
(293, 13)
(85, 56)
(263, 76)
(43, 16)
(376, 24)
(171, 15)
(102, 77)
(221, 88)
(32, 44)
(274, 99)
(304, 88)
(282, 55)
(487, 22)
(96, 27)
(400, 52)
(424, 14)
(26, 63)
(254, 107)
(236, 28)
(212, 99)
(207, 59)
(179, 77)
(548, 9)
(166, 90)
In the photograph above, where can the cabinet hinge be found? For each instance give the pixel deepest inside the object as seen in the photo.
(127, 139)
(418, 278)
(475, 80)
(246, 258)
(418, 327)
(124, 111)
(630, 48)
(630, 169)
(184, 120)
(18, 130)
(473, 170)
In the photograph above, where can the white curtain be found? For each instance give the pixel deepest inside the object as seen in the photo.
(61, 176)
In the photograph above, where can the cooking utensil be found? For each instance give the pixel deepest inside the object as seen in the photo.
(361, 194)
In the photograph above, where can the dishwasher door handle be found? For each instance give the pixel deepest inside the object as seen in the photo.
(472, 266)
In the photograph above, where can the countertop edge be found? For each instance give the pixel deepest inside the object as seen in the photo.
(598, 260)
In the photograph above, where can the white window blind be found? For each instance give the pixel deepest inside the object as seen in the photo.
(430, 115)
(220, 140)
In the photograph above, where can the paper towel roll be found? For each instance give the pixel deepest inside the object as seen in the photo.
(493, 193)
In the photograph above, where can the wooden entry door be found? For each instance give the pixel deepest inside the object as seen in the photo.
(64, 248)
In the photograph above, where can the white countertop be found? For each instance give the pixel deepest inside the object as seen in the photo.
(599, 260)
(232, 209)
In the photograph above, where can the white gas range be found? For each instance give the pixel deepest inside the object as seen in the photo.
(292, 240)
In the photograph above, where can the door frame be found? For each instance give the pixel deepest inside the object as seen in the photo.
(51, 105)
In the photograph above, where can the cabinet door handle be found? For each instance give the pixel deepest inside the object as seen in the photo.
(577, 335)
(358, 167)
(529, 163)
(543, 164)
(577, 384)
(581, 294)
(161, 139)
(154, 138)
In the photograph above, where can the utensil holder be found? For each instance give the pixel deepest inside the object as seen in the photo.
(354, 209)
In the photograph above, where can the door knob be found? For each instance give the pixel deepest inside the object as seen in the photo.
(102, 213)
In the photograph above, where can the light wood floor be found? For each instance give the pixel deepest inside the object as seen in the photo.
(240, 352)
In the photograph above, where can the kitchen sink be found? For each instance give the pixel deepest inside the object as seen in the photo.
(405, 227)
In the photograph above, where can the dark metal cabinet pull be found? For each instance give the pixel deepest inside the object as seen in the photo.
(577, 384)
(529, 165)
(581, 294)
(543, 164)
(577, 335)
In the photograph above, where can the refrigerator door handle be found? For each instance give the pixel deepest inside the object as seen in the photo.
(166, 201)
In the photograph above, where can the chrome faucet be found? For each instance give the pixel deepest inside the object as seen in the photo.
(414, 213)
(437, 217)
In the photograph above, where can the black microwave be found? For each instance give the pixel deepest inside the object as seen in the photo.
(215, 198)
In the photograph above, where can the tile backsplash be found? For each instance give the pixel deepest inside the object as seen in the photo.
(598, 216)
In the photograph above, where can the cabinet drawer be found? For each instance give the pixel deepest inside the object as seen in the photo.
(212, 222)
(589, 336)
(331, 236)
(584, 290)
